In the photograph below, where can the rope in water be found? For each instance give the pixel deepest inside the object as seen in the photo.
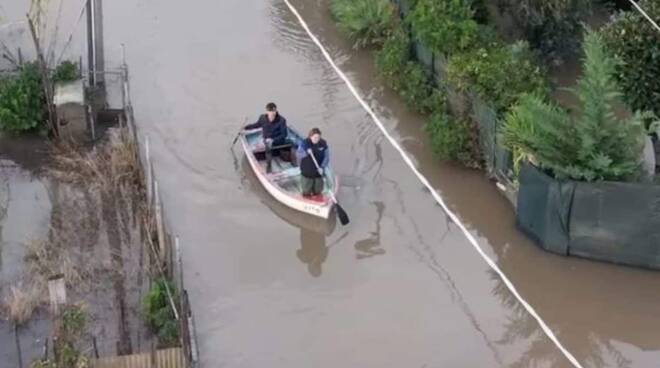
(435, 195)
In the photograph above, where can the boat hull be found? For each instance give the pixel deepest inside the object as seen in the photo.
(320, 208)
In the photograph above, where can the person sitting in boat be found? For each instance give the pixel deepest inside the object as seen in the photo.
(273, 128)
(311, 175)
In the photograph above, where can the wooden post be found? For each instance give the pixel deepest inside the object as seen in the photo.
(159, 223)
(18, 346)
(45, 355)
(193, 341)
(152, 357)
(92, 121)
(56, 292)
(96, 348)
(148, 171)
(179, 266)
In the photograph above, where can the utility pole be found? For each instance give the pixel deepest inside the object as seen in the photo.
(95, 52)
(99, 53)
(90, 43)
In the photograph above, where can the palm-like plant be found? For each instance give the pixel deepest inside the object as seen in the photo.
(366, 22)
(596, 145)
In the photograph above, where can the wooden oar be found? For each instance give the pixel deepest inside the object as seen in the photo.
(343, 216)
(239, 132)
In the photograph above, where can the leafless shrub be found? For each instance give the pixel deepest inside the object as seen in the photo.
(22, 302)
(112, 164)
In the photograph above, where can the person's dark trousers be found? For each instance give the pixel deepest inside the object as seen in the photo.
(269, 151)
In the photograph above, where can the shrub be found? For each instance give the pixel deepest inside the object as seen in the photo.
(498, 73)
(74, 320)
(636, 43)
(453, 140)
(415, 88)
(22, 100)
(549, 25)
(71, 329)
(158, 312)
(67, 71)
(405, 76)
(392, 59)
(445, 26)
(366, 22)
(594, 146)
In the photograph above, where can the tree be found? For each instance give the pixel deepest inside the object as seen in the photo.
(636, 43)
(596, 145)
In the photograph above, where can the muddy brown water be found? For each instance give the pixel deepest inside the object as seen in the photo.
(400, 286)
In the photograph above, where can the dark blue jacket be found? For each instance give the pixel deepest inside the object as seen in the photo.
(275, 130)
(321, 153)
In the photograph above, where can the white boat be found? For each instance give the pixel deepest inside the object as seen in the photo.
(283, 182)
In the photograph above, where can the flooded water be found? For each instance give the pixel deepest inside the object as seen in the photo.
(25, 209)
(400, 286)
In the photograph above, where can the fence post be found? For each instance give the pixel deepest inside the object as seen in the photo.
(148, 171)
(193, 341)
(92, 121)
(159, 222)
(179, 264)
(45, 355)
(96, 348)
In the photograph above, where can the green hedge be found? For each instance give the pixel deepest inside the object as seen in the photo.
(498, 73)
(445, 26)
(478, 61)
(453, 140)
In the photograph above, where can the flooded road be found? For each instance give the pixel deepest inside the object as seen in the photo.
(400, 286)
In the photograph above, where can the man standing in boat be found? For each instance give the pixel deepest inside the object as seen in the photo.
(311, 174)
(274, 130)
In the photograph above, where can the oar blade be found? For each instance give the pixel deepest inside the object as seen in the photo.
(342, 215)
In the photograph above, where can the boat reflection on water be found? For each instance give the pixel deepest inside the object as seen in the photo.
(313, 249)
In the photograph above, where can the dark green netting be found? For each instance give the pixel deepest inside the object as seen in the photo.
(617, 222)
(543, 210)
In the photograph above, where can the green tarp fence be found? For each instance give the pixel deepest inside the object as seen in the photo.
(607, 221)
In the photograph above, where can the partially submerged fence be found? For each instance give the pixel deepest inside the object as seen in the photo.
(498, 161)
(166, 248)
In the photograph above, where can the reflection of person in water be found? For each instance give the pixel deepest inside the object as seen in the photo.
(313, 251)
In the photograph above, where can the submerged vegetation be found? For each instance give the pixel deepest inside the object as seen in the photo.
(365, 22)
